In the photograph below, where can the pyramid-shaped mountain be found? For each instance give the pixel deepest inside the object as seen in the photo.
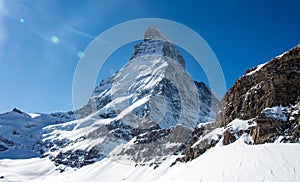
(142, 113)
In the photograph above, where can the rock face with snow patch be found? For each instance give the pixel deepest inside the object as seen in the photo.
(272, 84)
(270, 93)
(263, 106)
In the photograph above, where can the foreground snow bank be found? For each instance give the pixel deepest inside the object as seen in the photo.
(241, 162)
(234, 162)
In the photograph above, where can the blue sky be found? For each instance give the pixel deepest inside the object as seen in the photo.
(40, 40)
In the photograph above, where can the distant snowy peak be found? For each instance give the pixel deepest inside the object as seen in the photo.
(20, 132)
(19, 112)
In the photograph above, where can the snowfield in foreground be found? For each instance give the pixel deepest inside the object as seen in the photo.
(234, 162)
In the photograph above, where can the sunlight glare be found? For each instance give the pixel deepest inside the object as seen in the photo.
(54, 39)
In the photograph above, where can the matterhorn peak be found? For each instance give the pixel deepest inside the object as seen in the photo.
(153, 33)
(156, 43)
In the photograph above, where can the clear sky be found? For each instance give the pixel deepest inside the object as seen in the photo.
(41, 40)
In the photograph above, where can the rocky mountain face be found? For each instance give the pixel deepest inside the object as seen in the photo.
(143, 113)
(270, 93)
(267, 85)
(261, 107)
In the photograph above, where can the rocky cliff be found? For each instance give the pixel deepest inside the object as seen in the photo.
(263, 106)
(274, 83)
(270, 93)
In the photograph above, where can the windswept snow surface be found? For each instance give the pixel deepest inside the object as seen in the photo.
(234, 162)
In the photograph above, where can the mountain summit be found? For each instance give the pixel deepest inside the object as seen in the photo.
(154, 34)
(157, 44)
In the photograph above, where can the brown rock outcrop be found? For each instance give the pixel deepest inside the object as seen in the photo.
(273, 84)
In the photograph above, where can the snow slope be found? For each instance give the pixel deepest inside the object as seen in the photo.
(234, 162)
(242, 162)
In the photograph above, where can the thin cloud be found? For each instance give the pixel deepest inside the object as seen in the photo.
(87, 35)
(81, 33)
(42, 36)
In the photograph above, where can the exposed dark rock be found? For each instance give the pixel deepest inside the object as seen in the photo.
(276, 83)
(190, 152)
(153, 143)
(228, 138)
(78, 158)
(270, 129)
(18, 111)
(2, 148)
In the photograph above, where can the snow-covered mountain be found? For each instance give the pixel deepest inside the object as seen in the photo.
(151, 122)
(143, 113)
(21, 132)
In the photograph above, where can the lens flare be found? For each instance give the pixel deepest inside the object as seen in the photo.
(54, 39)
(80, 54)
